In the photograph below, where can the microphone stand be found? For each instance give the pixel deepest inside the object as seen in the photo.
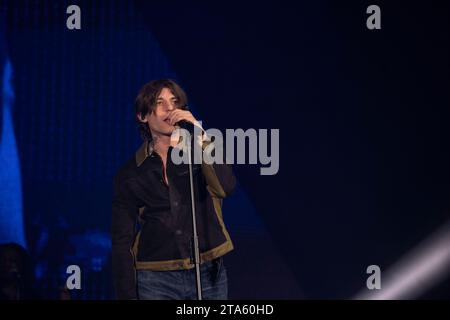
(19, 287)
(187, 126)
(18, 283)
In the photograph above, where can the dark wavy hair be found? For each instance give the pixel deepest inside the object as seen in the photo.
(146, 101)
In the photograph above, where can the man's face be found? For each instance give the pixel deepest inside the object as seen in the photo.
(157, 120)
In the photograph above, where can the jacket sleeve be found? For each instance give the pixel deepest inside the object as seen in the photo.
(123, 223)
(219, 177)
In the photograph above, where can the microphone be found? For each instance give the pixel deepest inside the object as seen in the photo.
(183, 124)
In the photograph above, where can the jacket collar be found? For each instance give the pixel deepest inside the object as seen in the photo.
(145, 150)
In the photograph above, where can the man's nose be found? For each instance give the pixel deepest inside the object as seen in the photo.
(170, 106)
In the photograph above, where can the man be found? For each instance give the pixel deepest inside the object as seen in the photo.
(15, 273)
(151, 218)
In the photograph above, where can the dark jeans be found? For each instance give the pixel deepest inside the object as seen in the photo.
(181, 284)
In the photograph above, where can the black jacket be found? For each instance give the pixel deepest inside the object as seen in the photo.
(152, 222)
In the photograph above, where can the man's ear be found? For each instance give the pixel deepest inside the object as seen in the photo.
(141, 118)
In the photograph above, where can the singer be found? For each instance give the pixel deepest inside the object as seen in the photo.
(152, 242)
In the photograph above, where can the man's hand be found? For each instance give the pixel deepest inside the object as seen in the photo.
(178, 115)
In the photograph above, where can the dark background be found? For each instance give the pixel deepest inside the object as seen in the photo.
(363, 115)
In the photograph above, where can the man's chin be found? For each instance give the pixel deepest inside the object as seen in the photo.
(168, 131)
(165, 130)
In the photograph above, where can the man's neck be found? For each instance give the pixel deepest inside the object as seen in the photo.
(161, 144)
